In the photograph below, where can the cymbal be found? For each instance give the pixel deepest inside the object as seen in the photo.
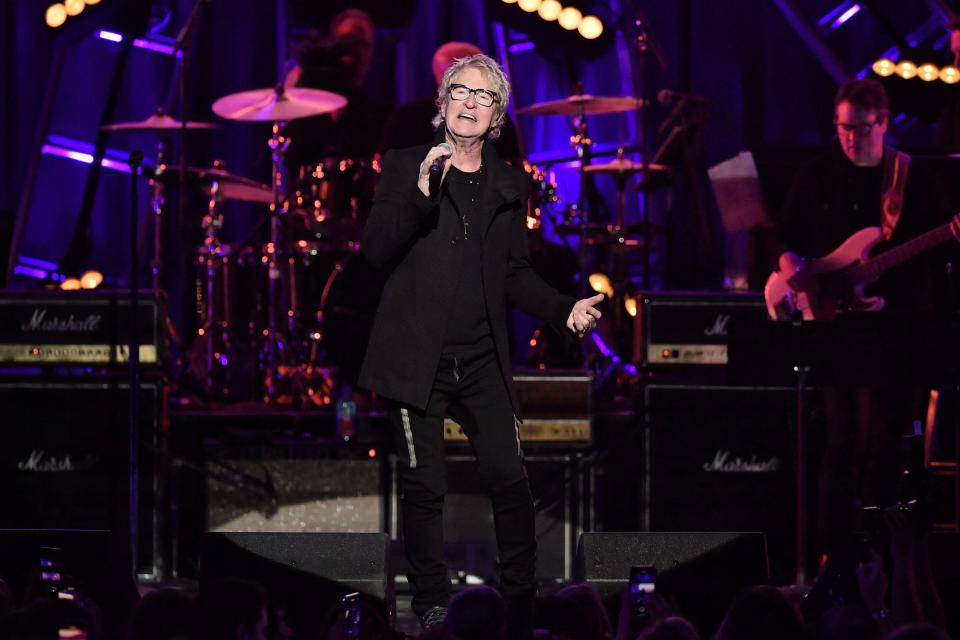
(157, 122)
(231, 187)
(583, 103)
(624, 165)
(277, 104)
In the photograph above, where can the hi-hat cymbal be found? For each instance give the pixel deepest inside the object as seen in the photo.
(583, 103)
(157, 122)
(624, 165)
(277, 104)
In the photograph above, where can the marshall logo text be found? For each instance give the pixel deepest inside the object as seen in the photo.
(39, 462)
(719, 327)
(723, 463)
(40, 322)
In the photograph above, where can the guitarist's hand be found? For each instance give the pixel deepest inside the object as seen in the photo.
(955, 227)
(824, 293)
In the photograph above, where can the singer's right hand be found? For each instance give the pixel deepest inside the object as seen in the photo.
(423, 180)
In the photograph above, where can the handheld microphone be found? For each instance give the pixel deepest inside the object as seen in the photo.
(437, 164)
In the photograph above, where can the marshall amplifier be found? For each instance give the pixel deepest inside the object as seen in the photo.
(65, 463)
(720, 458)
(688, 332)
(77, 328)
(556, 409)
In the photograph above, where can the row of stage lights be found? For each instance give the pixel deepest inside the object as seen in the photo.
(58, 13)
(570, 18)
(907, 70)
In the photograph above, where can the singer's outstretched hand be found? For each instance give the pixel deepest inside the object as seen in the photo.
(443, 150)
(584, 315)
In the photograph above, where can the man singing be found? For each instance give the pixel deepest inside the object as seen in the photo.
(448, 223)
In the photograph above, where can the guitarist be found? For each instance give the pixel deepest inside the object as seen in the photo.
(860, 182)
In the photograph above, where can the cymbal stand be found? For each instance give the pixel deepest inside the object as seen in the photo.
(158, 204)
(581, 142)
(276, 344)
(618, 268)
(215, 313)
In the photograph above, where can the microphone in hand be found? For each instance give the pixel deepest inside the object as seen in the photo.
(437, 165)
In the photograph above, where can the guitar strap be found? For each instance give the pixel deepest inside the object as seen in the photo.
(896, 165)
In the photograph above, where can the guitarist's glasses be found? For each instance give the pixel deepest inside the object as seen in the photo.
(863, 128)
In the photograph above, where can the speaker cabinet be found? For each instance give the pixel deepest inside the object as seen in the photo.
(720, 458)
(703, 571)
(562, 487)
(305, 573)
(66, 459)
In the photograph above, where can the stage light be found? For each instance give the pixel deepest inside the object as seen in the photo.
(600, 283)
(509, 1)
(590, 27)
(928, 72)
(73, 7)
(884, 67)
(906, 69)
(71, 284)
(550, 10)
(56, 15)
(570, 18)
(91, 279)
(950, 74)
(630, 304)
(92, 2)
(529, 5)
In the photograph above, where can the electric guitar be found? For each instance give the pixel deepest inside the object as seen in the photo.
(820, 288)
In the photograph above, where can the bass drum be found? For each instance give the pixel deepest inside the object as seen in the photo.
(347, 309)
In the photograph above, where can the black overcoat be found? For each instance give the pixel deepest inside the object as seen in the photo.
(415, 238)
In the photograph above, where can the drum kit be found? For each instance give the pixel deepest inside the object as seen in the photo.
(286, 321)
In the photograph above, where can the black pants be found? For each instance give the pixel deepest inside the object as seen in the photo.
(473, 394)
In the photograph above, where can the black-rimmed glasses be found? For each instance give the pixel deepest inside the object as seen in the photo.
(484, 97)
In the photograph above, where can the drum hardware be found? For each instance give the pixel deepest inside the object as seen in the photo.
(579, 106)
(278, 105)
(163, 125)
(158, 122)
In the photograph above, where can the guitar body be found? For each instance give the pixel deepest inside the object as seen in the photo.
(814, 288)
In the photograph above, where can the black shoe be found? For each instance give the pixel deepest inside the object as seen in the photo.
(433, 618)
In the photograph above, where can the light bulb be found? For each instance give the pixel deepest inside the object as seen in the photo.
(56, 15)
(590, 27)
(884, 67)
(570, 18)
(906, 69)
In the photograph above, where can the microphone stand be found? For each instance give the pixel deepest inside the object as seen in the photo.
(181, 48)
(133, 362)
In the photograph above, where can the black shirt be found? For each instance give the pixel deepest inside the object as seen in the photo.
(468, 330)
(831, 198)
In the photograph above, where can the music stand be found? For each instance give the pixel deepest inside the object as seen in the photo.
(856, 348)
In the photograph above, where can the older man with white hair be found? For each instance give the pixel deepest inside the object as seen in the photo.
(448, 223)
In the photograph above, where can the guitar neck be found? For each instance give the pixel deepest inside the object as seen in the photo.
(875, 267)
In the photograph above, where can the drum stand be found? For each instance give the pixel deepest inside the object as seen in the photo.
(582, 143)
(276, 343)
(215, 313)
